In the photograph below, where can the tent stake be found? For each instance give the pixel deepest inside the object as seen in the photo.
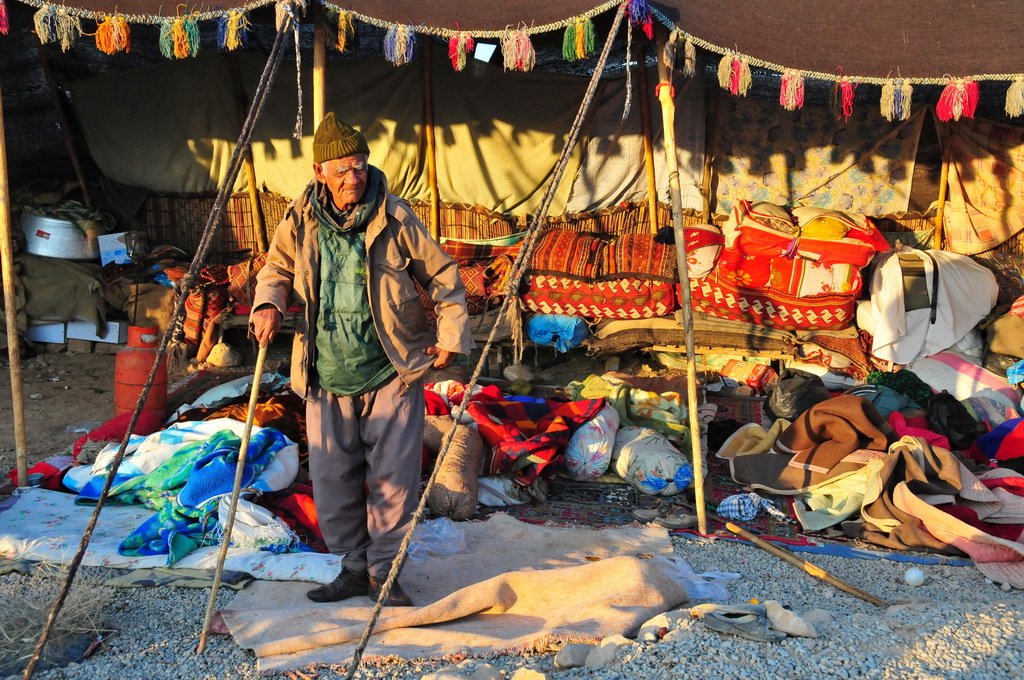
(811, 569)
(428, 131)
(709, 157)
(319, 64)
(939, 240)
(62, 121)
(684, 316)
(225, 541)
(11, 312)
(645, 116)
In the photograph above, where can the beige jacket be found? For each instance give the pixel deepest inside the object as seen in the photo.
(398, 249)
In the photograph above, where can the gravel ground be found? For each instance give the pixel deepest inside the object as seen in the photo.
(954, 626)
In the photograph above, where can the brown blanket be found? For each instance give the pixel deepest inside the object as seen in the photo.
(824, 435)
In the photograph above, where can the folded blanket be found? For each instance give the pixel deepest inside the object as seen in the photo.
(185, 491)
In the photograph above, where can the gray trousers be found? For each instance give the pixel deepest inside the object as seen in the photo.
(365, 459)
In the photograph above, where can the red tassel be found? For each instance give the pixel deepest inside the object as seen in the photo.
(5, 23)
(958, 99)
(841, 101)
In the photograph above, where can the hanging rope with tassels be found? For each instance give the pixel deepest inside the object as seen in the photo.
(734, 74)
(791, 93)
(958, 100)
(841, 100)
(56, 24)
(113, 34)
(345, 31)
(640, 14)
(179, 38)
(292, 11)
(233, 30)
(1015, 98)
(895, 100)
(578, 40)
(459, 46)
(517, 50)
(400, 44)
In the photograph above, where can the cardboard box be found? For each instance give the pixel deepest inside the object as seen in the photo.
(113, 248)
(758, 377)
(47, 332)
(117, 331)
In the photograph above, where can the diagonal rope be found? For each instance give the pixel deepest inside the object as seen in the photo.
(511, 297)
(198, 262)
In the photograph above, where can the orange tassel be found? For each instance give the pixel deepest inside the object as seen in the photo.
(113, 34)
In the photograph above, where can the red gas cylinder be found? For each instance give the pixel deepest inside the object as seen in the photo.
(131, 370)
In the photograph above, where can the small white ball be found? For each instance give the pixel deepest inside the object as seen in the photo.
(1006, 587)
(914, 577)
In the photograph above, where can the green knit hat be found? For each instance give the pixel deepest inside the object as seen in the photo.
(335, 139)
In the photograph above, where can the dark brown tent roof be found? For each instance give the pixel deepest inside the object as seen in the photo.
(868, 39)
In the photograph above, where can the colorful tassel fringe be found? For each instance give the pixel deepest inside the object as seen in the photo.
(113, 34)
(54, 24)
(640, 15)
(791, 96)
(895, 101)
(959, 99)
(459, 46)
(179, 38)
(346, 31)
(579, 40)
(1015, 97)
(5, 22)
(734, 74)
(517, 51)
(232, 30)
(400, 45)
(841, 101)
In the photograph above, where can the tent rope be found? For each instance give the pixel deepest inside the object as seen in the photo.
(511, 297)
(198, 262)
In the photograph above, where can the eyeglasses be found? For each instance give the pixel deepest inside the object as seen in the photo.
(359, 168)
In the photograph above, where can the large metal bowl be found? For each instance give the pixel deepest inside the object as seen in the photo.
(52, 237)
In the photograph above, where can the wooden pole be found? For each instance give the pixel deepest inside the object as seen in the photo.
(225, 540)
(319, 64)
(11, 313)
(684, 316)
(62, 121)
(645, 115)
(428, 125)
(940, 232)
(709, 157)
(259, 220)
(811, 569)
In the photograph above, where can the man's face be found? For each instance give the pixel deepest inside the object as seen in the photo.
(345, 178)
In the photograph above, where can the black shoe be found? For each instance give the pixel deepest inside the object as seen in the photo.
(348, 584)
(396, 596)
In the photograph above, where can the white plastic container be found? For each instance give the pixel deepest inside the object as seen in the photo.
(51, 237)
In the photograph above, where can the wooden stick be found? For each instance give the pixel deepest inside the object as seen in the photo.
(255, 206)
(225, 540)
(811, 569)
(62, 121)
(645, 116)
(685, 316)
(319, 64)
(11, 313)
(428, 130)
(940, 231)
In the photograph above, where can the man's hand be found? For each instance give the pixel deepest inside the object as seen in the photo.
(265, 324)
(444, 357)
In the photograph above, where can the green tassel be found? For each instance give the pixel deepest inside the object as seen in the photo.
(569, 43)
(589, 37)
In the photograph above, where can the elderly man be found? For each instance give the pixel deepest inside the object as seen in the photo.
(350, 254)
